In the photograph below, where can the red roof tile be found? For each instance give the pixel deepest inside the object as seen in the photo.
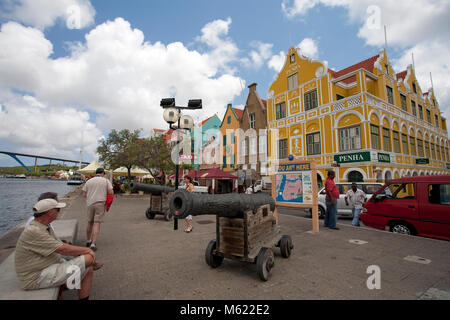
(205, 121)
(367, 64)
(401, 75)
(238, 112)
(264, 103)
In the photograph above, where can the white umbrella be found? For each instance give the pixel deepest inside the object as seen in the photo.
(135, 171)
(90, 168)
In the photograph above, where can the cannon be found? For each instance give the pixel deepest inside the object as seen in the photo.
(246, 228)
(159, 199)
(183, 204)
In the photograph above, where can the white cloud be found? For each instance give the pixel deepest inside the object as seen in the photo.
(41, 14)
(39, 129)
(261, 53)
(116, 75)
(431, 57)
(224, 50)
(308, 47)
(407, 23)
(277, 61)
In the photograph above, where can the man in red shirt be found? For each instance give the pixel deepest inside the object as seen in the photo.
(331, 200)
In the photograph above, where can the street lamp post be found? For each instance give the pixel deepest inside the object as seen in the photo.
(172, 114)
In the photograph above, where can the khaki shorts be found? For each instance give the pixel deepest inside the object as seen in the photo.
(57, 274)
(96, 212)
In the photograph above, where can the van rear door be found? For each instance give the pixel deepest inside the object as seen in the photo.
(435, 209)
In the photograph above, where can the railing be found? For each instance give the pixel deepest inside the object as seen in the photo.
(375, 101)
(361, 98)
(349, 102)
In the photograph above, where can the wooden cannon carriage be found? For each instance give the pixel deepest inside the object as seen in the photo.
(159, 199)
(246, 229)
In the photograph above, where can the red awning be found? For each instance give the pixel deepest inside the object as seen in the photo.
(193, 174)
(215, 174)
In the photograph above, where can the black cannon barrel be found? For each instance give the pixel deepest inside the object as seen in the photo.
(232, 205)
(152, 188)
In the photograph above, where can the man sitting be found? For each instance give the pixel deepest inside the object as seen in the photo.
(38, 258)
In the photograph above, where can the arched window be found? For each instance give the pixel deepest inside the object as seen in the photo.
(355, 176)
(388, 176)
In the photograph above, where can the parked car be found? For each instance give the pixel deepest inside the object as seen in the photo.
(413, 205)
(266, 183)
(197, 187)
(342, 209)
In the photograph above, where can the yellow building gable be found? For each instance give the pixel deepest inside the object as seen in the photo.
(230, 124)
(298, 76)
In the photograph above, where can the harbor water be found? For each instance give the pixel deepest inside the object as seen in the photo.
(17, 197)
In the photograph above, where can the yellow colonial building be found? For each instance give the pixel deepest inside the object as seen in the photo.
(366, 122)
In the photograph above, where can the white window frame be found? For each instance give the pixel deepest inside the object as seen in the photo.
(293, 81)
(252, 117)
(350, 138)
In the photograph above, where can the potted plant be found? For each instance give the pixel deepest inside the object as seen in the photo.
(126, 188)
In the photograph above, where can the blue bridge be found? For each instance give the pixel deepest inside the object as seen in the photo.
(15, 155)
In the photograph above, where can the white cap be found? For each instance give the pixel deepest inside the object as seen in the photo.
(46, 205)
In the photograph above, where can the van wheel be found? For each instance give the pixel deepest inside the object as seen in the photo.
(402, 228)
(321, 212)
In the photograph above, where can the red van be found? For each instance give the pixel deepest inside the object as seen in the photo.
(412, 205)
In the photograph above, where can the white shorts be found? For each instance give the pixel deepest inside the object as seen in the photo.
(57, 274)
(189, 217)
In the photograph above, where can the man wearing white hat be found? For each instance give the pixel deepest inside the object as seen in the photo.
(38, 258)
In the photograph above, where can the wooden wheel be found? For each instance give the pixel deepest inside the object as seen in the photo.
(212, 259)
(264, 263)
(286, 246)
(149, 214)
(168, 215)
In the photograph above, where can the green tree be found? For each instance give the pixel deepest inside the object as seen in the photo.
(120, 149)
(155, 156)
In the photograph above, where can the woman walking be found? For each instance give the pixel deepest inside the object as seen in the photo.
(189, 188)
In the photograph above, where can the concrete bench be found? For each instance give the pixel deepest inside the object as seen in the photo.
(65, 230)
(10, 285)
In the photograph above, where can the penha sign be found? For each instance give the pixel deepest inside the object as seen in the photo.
(352, 157)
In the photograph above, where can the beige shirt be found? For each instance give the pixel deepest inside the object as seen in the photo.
(96, 189)
(35, 251)
(190, 187)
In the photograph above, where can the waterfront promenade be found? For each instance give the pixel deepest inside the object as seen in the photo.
(147, 259)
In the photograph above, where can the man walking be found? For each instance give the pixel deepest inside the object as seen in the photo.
(95, 191)
(357, 198)
(331, 200)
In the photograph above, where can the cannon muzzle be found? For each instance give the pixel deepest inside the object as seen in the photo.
(232, 205)
(152, 188)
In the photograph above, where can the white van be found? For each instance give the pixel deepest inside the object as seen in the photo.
(342, 209)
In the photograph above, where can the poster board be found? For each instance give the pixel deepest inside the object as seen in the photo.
(294, 185)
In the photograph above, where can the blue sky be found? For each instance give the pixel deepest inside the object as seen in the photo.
(109, 67)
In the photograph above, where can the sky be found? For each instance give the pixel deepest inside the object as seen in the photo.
(73, 70)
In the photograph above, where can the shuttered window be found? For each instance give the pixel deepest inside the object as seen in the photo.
(350, 138)
(313, 143)
(311, 100)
